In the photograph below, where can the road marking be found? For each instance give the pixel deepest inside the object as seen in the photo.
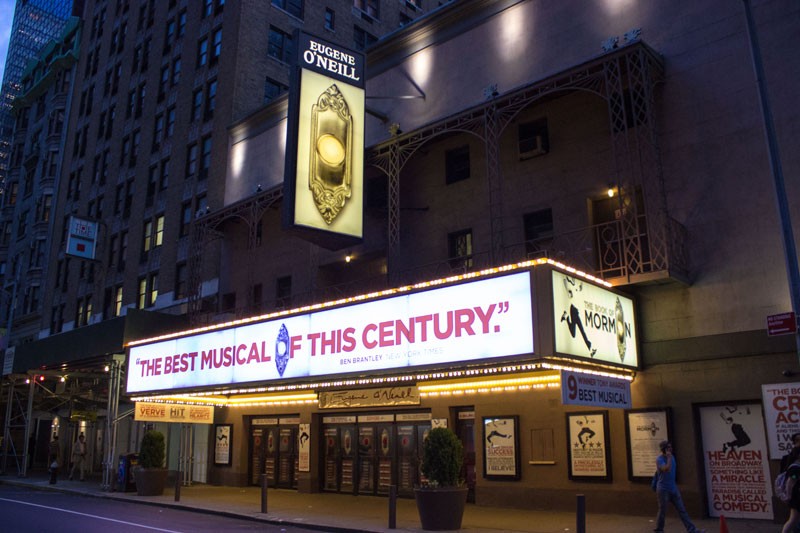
(89, 515)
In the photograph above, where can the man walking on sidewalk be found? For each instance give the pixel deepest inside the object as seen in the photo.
(78, 456)
(667, 490)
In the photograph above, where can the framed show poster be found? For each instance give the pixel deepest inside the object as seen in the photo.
(644, 429)
(223, 434)
(736, 461)
(589, 453)
(501, 447)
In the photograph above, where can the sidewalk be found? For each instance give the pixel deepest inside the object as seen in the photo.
(344, 513)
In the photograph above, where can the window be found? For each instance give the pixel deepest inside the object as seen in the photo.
(140, 99)
(152, 183)
(170, 122)
(83, 313)
(169, 35)
(153, 289)
(273, 89)
(182, 23)
(158, 236)
(181, 280)
(158, 131)
(211, 100)
(205, 160)
(202, 52)
(362, 38)
(162, 83)
(208, 8)
(117, 300)
(330, 19)
(176, 71)
(456, 164)
(369, 7)
(280, 45)
(283, 292)
(533, 139)
(46, 207)
(216, 47)
(186, 219)
(141, 293)
(135, 142)
(405, 19)
(293, 7)
(131, 107)
(191, 160)
(538, 231)
(459, 249)
(197, 103)
(162, 185)
(57, 319)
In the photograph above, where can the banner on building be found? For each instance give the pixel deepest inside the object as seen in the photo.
(171, 412)
(738, 481)
(479, 320)
(304, 447)
(782, 412)
(223, 437)
(580, 388)
(324, 176)
(593, 323)
(383, 396)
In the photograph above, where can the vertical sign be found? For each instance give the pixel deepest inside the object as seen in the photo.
(324, 180)
(222, 444)
(304, 447)
(782, 412)
(82, 238)
(501, 447)
(589, 453)
(738, 481)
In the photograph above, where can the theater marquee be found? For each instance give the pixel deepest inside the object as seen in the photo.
(478, 320)
(324, 180)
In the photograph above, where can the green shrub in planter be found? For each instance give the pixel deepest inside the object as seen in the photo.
(442, 458)
(152, 451)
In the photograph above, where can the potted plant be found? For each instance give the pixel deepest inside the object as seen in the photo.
(151, 476)
(443, 495)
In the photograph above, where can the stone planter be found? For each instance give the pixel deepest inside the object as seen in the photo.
(151, 481)
(441, 508)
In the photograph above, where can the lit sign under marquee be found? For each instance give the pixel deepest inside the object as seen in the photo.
(592, 322)
(483, 319)
(324, 180)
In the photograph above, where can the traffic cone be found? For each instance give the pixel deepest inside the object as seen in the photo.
(723, 527)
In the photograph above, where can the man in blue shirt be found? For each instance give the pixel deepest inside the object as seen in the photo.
(667, 490)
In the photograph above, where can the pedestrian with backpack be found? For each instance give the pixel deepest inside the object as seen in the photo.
(790, 487)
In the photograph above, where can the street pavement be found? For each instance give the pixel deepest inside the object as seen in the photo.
(346, 513)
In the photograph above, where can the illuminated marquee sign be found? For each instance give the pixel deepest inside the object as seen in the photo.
(183, 413)
(324, 180)
(593, 323)
(479, 320)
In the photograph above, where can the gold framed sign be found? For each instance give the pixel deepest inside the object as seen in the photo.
(324, 179)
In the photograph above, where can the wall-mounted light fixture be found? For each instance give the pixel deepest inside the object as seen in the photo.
(348, 257)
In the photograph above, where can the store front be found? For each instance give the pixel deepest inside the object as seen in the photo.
(341, 399)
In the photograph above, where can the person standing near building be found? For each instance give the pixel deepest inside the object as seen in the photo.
(54, 459)
(667, 490)
(78, 456)
(788, 459)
